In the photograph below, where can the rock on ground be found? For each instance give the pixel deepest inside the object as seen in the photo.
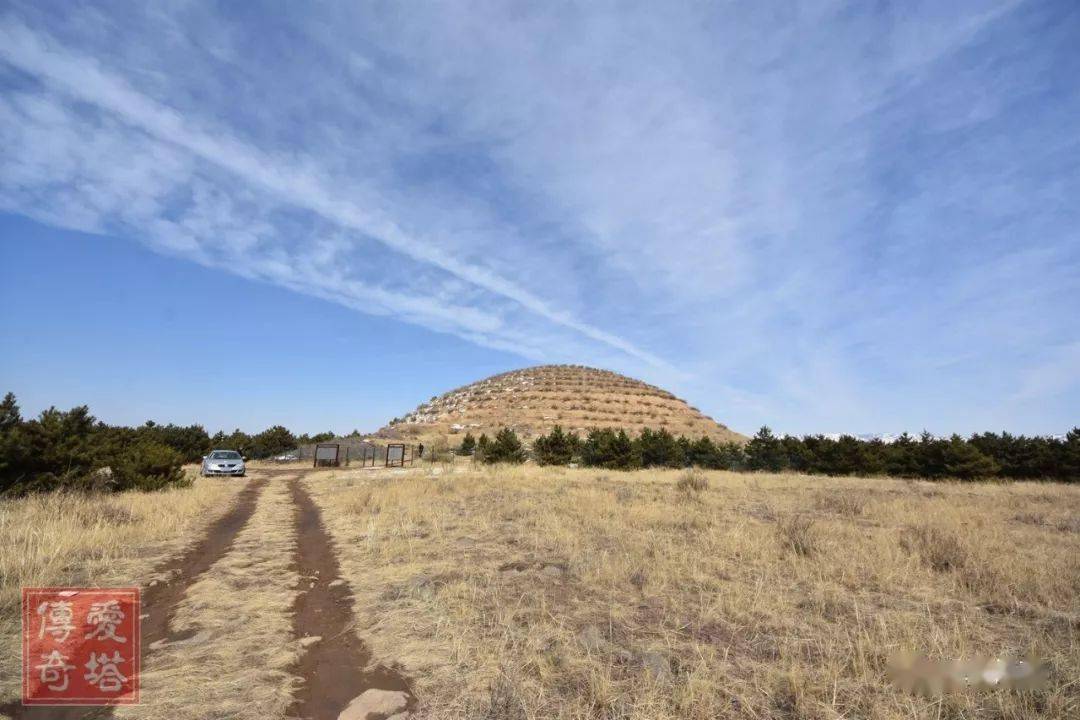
(593, 640)
(656, 666)
(380, 703)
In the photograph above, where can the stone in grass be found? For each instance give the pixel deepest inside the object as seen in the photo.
(309, 640)
(593, 640)
(378, 703)
(553, 571)
(337, 583)
(656, 666)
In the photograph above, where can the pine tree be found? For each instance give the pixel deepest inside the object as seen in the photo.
(505, 448)
(658, 449)
(482, 447)
(9, 413)
(468, 444)
(684, 446)
(703, 453)
(555, 448)
(622, 452)
(12, 443)
(800, 457)
(901, 458)
(963, 460)
(765, 452)
(732, 456)
(1069, 466)
(930, 455)
(609, 449)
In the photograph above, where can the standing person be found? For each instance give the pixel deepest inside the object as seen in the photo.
(420, 450)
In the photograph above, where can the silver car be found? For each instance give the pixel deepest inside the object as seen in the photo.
(223, 462)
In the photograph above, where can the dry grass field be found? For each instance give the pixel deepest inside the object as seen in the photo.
(542, 593)
(103, 540)
(520, 593)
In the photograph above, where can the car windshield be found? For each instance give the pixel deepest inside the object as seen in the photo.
(224, 455)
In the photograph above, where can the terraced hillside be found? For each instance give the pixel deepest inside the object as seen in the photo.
(533, 400)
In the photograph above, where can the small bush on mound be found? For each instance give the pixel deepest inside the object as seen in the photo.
(796, 533)
(693, 480)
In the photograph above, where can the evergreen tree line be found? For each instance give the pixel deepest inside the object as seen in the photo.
(71, 450)
(986, 455)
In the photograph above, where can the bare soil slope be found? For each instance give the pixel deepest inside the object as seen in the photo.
(533, 400)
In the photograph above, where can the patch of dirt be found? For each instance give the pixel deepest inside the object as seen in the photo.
(334, 670)
(756, 645)
(159, 601)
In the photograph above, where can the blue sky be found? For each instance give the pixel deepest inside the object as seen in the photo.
(822, 216)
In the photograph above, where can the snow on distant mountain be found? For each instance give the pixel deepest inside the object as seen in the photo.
(886, 438)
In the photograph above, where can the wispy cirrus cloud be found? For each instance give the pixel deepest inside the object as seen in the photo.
(827, 216)
(296, 182)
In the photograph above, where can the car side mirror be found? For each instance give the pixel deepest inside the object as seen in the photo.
(244, 458)
(203, 457)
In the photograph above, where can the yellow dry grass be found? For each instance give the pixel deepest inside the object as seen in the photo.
(93, 540)
(237, 663)
(553, 593)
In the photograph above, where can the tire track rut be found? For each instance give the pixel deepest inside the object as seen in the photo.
(334, 669)
(159, 601)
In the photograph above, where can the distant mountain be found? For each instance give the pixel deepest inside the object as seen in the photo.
(868, 437)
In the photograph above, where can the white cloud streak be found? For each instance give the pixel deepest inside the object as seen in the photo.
(81, 78)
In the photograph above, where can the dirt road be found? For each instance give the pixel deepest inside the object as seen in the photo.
(331, 668)
(331, 663)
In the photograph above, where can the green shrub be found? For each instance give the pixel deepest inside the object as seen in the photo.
(506, 447)
(483, 444)
(659, 449)
(149, 466)
(609, 449)
(765, 452)
(555, 448)
(70, 450)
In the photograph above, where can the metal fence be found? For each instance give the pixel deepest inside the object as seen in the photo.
(361, 453)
